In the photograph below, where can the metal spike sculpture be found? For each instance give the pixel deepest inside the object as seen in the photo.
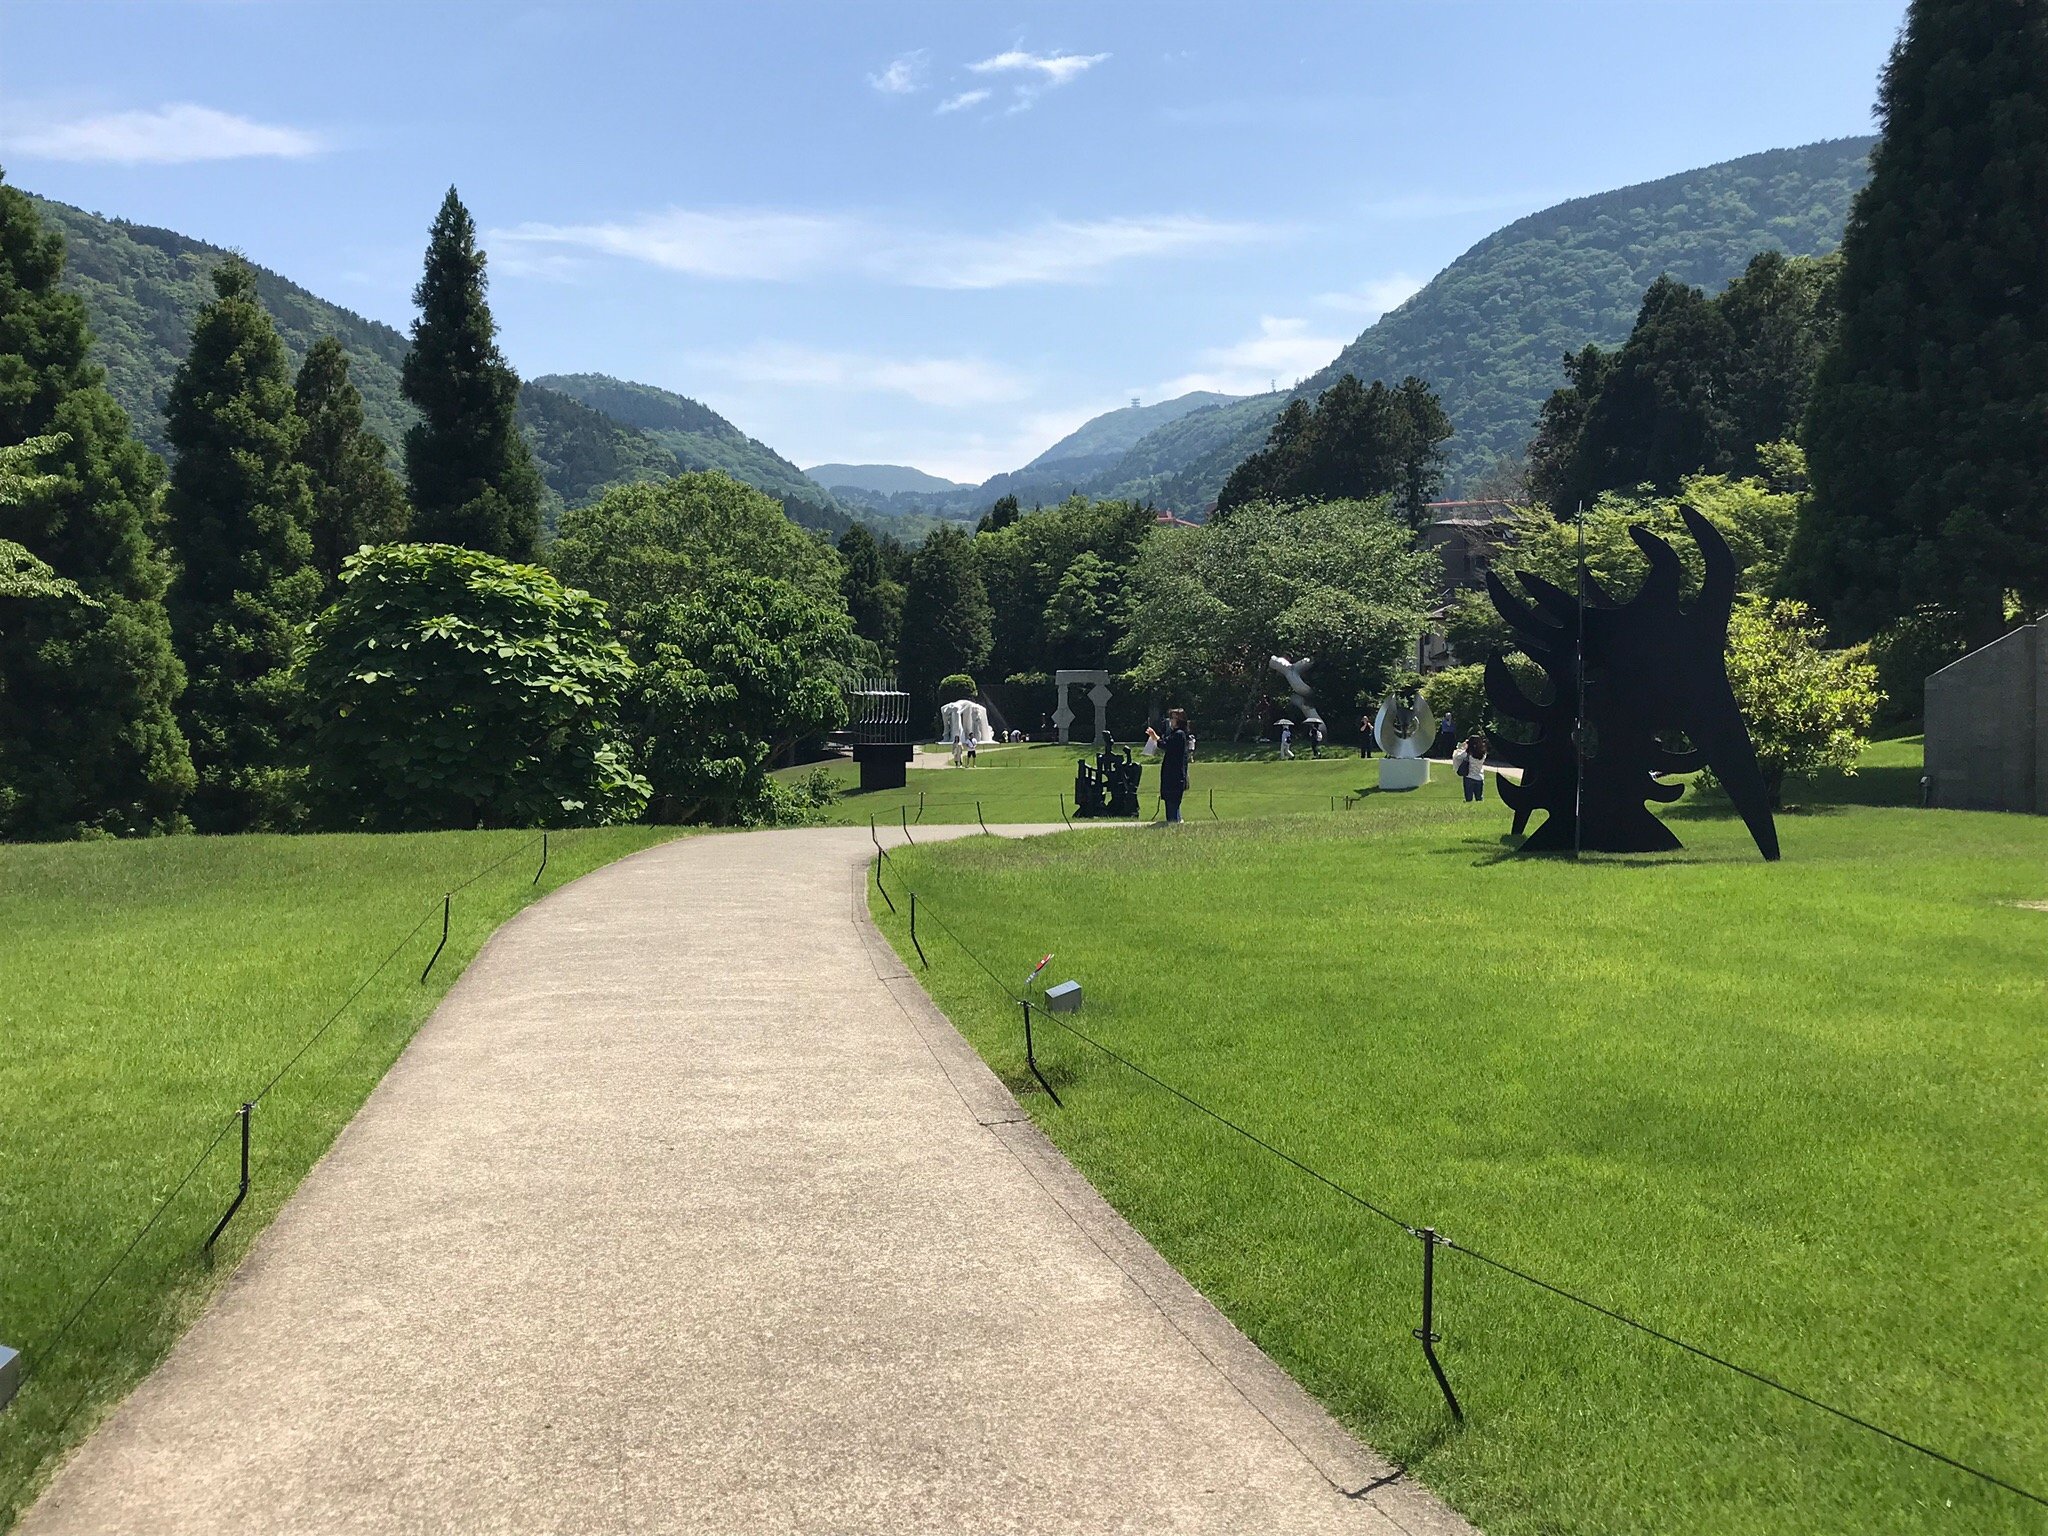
(1651, 668)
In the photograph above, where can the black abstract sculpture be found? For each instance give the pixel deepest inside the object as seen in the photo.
(1652, 668)
(878, 729)
(1110, 787)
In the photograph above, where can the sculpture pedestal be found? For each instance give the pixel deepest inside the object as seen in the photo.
(1404, 772)
(883, 765)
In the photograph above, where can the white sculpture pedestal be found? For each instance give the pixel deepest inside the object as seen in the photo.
(1404, 772)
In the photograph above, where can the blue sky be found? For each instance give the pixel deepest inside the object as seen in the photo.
(935, 234)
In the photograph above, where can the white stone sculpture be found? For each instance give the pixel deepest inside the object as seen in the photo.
(1404, 729)
(1292, 670)
(1063, 717)
(965, 724)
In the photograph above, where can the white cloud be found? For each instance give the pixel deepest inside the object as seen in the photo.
(903, 76)
(940, 381)
(764, 244)
(1053, 68)
(1282, 351)
(964, 99)
(1373, 297)
(1040, 72)
(775, 245)
(171, 135)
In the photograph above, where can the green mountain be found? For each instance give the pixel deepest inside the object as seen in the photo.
(143, 286)
(1490, 329)
(1115, 433)
(700, 438)
(883, 480)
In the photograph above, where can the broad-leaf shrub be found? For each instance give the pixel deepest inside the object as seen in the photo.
(451, 688)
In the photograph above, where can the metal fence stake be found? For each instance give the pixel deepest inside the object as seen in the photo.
(920, 807)
(904, 811)
(446, 902)
(1031, 1056)
(980, 818)
(1212, 805)
(1063, 811)
(913, 932)
(241, 1193)
(543, 857)
(1427, 1332)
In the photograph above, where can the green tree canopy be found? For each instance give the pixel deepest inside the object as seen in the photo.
(237, 512)
(731, 675)
(1698, 385)
(1026, 563)
(644, 544)
(356, 498)
(1355, 443)
(89, 739)
(1339, 582)
(1808, 708)
(472, 477)
(1928, 429)
(873, 600)
(945, 617)
(450, 688)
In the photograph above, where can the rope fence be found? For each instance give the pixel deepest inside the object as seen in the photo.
(1432, 1239)
(36, 1357)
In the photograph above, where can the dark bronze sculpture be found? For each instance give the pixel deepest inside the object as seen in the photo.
(1652, 668)
(1110, 787)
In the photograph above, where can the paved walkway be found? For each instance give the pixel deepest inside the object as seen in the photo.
(686, 1212)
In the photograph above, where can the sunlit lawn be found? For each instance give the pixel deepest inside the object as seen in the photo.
(1792, 1112)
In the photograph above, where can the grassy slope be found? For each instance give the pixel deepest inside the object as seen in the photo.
(1792, 1112)
(151, 986)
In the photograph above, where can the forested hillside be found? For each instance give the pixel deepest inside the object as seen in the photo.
(700, 438)
(1489, 331)
(143, 287)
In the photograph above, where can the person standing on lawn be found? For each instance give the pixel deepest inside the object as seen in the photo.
(1286, 739)
(1174, 749)
(1470, 766)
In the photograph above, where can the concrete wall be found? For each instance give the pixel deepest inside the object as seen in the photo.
(1987, 727)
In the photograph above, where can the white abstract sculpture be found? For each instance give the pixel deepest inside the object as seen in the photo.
(1404, 729)
(1292, 670)
(1098, 694)
(965, 723)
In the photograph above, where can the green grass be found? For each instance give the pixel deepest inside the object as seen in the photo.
(1025, 784)
(1792, 1112)
(151, 987)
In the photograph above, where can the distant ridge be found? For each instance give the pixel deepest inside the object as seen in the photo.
(143, 287)
(883, 479)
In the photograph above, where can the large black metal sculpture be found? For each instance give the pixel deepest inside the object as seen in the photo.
(1651, 668)
(1110, 788)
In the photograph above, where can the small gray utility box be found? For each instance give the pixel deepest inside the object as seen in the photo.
(1064, 998)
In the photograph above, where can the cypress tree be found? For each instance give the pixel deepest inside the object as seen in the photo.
(238, 509)
(356, 498)
(473, 480)
(947, 624)
(872, 599)
(89, 741)
(1927, 435)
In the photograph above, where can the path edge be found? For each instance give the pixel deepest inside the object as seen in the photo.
(1349, 1465)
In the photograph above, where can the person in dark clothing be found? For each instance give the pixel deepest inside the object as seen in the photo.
(1173, 761)
(1366, 740)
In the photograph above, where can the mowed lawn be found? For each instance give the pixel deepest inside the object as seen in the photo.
(151, 987)
(1026, 783)
(1794, 1113)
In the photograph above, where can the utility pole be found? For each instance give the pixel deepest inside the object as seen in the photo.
(1579, 723)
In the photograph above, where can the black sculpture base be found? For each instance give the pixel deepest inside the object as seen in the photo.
(883, 765)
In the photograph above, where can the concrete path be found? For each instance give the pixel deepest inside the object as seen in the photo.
(686, 1212)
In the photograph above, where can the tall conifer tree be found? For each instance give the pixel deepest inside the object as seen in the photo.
(238, 510)
(1927, 435)
(473, 479)
(89, 741)
(946, 616)
(356, 498)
